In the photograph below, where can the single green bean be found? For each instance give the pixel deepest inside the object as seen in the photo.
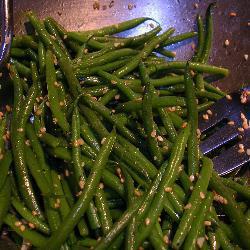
(53, 93)
(5, 164)
(5, 197)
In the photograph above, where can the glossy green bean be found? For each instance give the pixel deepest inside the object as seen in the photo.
(209, 95)
(18, 142)
(169, 177)
(103, 211)
(213, 241)
(243, 191)
(29, 217)
(102, 110)
(156, 103)
(144, 53)
(22, 69)
(179, 38)
(117, 28)
(201, 39)
(35, 238)
(209, 34)
(115, 81)
(199, 67)
(194, 202)
(148, 120)
(223, 240)
(176, 119)
(3, 123)
(198, 223)
(192, 145)
(24, 41)
(81, 205)
(5, 197)
(53, 93)
(240, 227)
(41, 57)
(55, 35)
(44, 35)
(5, 164)
(76, 150)
(36, 172)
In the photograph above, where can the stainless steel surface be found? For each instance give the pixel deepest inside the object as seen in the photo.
(231, 110)
(80, 15)
(6, 10)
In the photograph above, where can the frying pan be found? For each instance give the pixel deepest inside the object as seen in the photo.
(180, 14)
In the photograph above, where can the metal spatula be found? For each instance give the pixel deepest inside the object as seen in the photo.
(234, 110)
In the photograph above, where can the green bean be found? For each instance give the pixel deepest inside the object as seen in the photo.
(29, 217)
(115, 81)
(17, 140)
(76, 150)
(53, 94)
(5, 164)
(169, 177)
(110, 95)
(211, 96)
(5, 196)
(32, 55)
(198, 223)
(167, 80)
(44, 35)
(82, 226)
(240, 227)
(243, 191)
(168, 124)
(21, 68)
(156, 103)
(193, 203)
(73, 83)
(185, 181)
(213, 241)
(223, 240)
(144, 53)
(213, 89)
(3, 123)
(106, 58)
(119, 226)
(199, 67)
(41, 57)
(148, 120)
(102, 110)
(16, 52)
(199, 82)
(175, 202)
(176, 119)
(37, 172)
(179, 192)
(192, 145)
(55, 35)
(117, 28)
(106, 67)
(133, 41)
(179, 38)
(103, 209)
(35, 238)
(167, 53)
(24, 41)
(82, 203)
(35, 78)
(201, 39)
(64, 207)
(209, 34)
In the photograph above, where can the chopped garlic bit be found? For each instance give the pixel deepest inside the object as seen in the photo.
(229, 97)
(200, 241)
(153, 133)
(168, 189)
(205, 116)
(147, 221)
(226, 43)
(231, 123)
(188, 206)
(246, 57)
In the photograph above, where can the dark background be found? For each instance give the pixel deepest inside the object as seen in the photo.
(181, 14)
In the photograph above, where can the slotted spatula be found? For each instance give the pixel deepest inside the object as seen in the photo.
(233, 111)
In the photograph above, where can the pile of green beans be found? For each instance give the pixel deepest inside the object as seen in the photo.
(100, 149)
